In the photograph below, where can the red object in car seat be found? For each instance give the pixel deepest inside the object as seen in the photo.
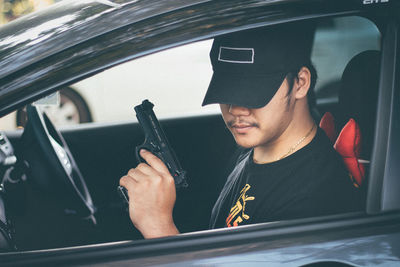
(327, 123)
(348, 145)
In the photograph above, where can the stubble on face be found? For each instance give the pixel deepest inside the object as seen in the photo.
(262, 126)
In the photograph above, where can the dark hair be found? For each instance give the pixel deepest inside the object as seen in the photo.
(292, 75)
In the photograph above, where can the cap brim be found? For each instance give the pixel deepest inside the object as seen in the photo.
(253, 91)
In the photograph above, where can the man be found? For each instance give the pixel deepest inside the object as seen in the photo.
(263, 81)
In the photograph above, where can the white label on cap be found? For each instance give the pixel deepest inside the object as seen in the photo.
(236, 55)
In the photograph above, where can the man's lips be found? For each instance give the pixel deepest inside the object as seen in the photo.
(241, 127)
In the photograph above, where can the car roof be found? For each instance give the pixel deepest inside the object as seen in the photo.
(70, 22)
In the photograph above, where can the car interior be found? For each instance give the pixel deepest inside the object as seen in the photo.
(59, 185)
(357, 101)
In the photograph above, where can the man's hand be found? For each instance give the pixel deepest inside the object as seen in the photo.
(152, 196)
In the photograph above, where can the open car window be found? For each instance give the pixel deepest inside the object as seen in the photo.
(177, 79)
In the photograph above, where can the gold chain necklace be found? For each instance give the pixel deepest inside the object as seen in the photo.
(291, 149)
(297, 144)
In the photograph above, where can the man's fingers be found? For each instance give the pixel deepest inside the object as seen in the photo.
(154, 161)
(146, 169)
(137, 175)
(127, 182)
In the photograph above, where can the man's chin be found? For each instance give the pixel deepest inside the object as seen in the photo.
(245, 143)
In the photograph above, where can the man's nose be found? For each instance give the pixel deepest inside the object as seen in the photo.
(239, 111)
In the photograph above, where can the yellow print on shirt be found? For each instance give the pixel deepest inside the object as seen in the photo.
(237, 215)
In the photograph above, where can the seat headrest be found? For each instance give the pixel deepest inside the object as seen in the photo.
(359, 93)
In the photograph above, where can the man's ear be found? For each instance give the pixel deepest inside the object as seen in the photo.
(302, 83)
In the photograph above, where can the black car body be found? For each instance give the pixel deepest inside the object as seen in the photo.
(48, 50)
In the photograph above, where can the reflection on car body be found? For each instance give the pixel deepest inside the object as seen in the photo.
(57, 217)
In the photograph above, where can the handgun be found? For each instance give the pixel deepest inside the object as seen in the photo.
(156, 142)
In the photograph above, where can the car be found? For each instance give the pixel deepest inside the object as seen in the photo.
(53, 212)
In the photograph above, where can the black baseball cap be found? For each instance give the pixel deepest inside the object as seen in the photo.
(249, 66)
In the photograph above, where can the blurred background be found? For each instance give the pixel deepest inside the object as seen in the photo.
(12, 9)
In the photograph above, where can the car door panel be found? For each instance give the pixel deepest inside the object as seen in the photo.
(203, 145)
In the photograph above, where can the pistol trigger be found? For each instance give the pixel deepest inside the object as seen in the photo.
(137, 150)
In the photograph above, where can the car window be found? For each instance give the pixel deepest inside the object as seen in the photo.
(176, 80)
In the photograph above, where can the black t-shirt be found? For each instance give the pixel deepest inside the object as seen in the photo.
(310, 182)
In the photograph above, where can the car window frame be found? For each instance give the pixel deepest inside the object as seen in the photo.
(384, 184)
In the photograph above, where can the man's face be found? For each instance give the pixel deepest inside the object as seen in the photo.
(261, 126)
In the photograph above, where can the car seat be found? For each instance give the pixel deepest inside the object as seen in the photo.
(356, 114)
